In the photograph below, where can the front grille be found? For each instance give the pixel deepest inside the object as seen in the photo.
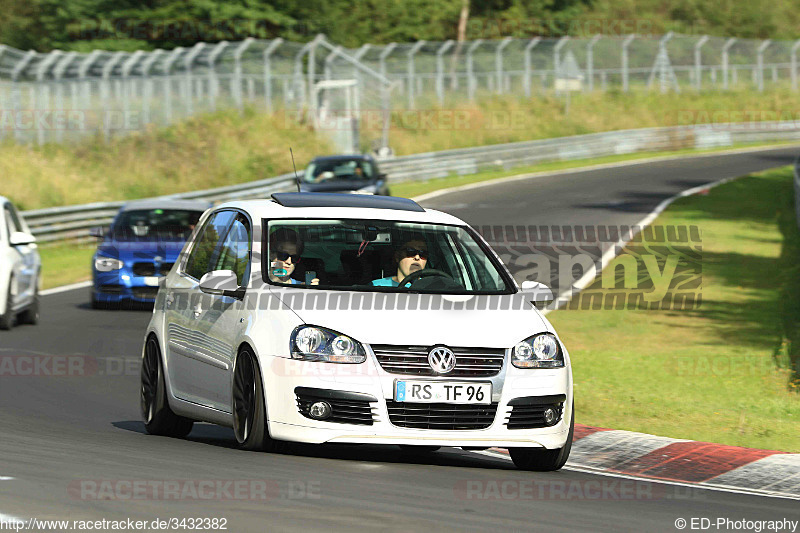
(149, 269)
(413, 360)
(531, 416)
(111, 289)
(444, 416)
(346, 409)
(144, 269)
(145, 293)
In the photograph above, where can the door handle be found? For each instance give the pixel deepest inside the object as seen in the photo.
(198, 310)
(169, 300)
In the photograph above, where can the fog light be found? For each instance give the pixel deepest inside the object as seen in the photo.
(320, 410)
(550, 416)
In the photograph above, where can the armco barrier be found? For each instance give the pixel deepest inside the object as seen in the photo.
(73, 222)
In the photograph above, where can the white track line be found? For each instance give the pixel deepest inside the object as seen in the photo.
(572, 467)
(65, 288)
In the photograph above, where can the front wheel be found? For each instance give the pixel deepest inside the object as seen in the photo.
(157, 416)
(31, 314)
(249, 410)
(540, 460)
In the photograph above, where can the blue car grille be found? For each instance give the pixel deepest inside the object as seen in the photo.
(149, 269)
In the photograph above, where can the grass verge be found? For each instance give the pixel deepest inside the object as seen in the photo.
(719, 373)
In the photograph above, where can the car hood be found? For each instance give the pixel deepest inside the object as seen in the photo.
(425, 319)
(168, 251)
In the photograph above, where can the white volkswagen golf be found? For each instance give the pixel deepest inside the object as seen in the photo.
(352, 319)
(20, 268)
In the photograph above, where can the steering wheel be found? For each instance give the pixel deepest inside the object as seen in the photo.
(424, 273)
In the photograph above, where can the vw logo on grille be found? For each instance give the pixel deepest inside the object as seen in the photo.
(442, 360)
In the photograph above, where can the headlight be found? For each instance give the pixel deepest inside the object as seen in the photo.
(539, 351)
(107, 264)
(311, 343)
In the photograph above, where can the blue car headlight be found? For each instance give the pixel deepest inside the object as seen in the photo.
(107, 264)
(312, 343)
(539, 351)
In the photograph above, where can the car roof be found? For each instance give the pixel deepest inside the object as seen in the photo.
(270, 209)
(167, 203)
(345, 157)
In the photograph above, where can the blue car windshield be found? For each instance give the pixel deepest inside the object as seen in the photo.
(338, 169)
(155, 224)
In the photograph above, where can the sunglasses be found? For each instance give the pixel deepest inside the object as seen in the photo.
(283, 256)
(413, 252)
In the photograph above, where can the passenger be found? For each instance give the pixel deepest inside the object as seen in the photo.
(410, 257)
(285, 251)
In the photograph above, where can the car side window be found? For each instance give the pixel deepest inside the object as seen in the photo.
(206, 249)
(235, 252)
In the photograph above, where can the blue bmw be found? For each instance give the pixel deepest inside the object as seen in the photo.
(139, 249)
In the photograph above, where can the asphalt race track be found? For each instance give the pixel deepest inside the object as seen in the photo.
(61, 432)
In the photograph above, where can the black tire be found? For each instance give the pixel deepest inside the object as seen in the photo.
(539, 460)
(31, 314)
(7, 318)
(418, 449)
(249, 408)
(157, 416)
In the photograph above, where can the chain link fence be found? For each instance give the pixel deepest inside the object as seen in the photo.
(65, 96)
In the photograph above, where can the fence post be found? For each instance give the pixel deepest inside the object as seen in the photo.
(237, 71)
(590, 61)
(147, 93)
(557, 55)
(128, 92)
(58, 74)
(663, 71)
(698, 64)
(760, 62)
(628, 40)
(795, 46)
(498, 63)
(387, 50)
(471, 82)
(167, 70)
(411, 53)
(83, 71)
(268, 72)
(725, 60)
(41, 71)
(440, 70)
(527, 66)
(108, 69)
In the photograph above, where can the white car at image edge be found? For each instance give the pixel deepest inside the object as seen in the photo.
(330, 318)
(20, 269)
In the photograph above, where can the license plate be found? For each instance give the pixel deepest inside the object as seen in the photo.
(151, 281)
(443, 392)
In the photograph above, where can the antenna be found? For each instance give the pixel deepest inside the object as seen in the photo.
(296, 177)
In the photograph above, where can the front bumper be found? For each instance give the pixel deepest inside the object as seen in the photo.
(284, 377)
(122, 285)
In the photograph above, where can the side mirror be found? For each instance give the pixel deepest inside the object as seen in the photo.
(20, 238)
(221, 283)
(97, 231)
(539, 292)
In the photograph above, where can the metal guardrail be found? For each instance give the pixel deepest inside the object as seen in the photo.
(73, 222)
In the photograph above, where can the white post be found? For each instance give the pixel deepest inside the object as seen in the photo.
(58, 74)
(498, 63)
(557, 54)
(760, 61)
(108, 69)
(471, 82)
(388, 49)
(590, 61)
(167, 70)
(440, 70)
(628, 40)
(698, 62)
(237, 71)
(527, 57)
(268, 72)
(795, 46)
(213, 79)
(664, 73)
(725, 60)
(411, 74)
(147, 93)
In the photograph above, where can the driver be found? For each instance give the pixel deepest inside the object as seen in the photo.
(411, 257)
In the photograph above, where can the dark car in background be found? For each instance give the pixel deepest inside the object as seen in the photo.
(344, 173)
(139, 249)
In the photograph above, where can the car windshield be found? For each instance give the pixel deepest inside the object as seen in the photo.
(152, 224)
(339, 169)
(380, 255)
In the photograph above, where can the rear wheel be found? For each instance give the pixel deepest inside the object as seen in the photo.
(157, 416)
(249, 410)
(540, 460)
(7, 318)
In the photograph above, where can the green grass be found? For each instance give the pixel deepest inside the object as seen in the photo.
(64, 264)
(719, 373)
